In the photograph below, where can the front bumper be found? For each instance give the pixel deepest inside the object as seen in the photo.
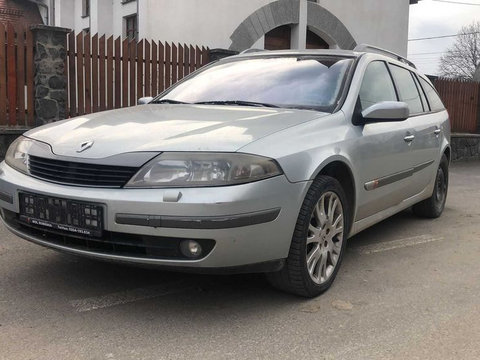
(240, 219)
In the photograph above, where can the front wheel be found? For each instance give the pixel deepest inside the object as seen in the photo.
(318, 242)
(434, 205)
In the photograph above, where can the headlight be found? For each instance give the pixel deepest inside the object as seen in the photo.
(16, 155)
(203, 169)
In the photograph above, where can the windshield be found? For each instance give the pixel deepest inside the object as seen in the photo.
(311, 82)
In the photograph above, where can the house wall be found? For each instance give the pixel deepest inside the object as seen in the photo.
(211, 23)
(206, 22)
(382, 23)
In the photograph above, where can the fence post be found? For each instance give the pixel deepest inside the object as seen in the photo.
(478, 103)
(50, 83)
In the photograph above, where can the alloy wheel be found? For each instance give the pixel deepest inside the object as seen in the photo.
(441, 186)
(325, 237)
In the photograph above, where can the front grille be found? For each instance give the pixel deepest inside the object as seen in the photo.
(82, 174)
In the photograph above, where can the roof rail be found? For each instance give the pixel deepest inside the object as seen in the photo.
(252, 50)
(377, 50)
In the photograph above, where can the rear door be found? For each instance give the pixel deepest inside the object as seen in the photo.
(425, 145)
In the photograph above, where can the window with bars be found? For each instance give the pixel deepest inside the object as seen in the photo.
(131, 29)
(85, 8)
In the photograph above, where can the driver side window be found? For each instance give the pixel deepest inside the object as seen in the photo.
(377, 85)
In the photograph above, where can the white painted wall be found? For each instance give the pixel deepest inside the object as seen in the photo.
(204, 22)
(101, 17)
(381, 23)
(64, 13)
(210, 23)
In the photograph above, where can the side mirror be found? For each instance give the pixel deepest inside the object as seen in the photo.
(386, 111)
(144, 100)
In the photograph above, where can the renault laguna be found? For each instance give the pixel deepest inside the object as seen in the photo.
(261, 162)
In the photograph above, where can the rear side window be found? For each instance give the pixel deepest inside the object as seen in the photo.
(433, 98)
(377, 85)
(426, 108)
(407, 89)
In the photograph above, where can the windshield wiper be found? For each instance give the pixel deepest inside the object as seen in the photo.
(236, 102)
(168, 101)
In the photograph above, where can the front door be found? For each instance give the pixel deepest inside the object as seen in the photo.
(383, 158)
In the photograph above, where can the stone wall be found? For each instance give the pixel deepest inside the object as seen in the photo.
(465, 147)
(50, 80)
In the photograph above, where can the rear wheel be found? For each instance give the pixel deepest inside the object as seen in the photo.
(318, 242)
(434, 205)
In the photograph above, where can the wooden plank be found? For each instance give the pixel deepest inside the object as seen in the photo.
(125, 57)
(205, 57)
(3, 77)
(72, 84)
(154, 69)
(139, 70)
(174, 63)
(11, 76)
(198, 58)
(80, 102)
(192, 59)
(118, 74)
(95, 78)
(101, 71)
(181, 65)
(187, 60)
(20, 76)
(460, 99)
(29, 75)
(168, 65)
(161, 67)
(132, 49)
(110, 73)
(87, 58)
(148, 65)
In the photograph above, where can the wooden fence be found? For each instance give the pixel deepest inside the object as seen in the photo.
(16, 77)
(112, 73)
(461, 98)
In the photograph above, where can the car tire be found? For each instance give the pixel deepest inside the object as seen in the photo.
(317, 249)
(434, 205)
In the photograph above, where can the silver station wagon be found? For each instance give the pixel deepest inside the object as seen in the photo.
(261, 162)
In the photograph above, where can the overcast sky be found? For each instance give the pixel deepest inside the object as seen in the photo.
(431, 18)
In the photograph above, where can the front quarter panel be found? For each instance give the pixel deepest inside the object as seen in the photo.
(302, 151)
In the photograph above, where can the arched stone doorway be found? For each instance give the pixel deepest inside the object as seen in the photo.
(278, 38)
(320, 22)
(315, 42)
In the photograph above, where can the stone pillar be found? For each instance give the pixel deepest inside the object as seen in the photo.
(50, 81)
(299, 31)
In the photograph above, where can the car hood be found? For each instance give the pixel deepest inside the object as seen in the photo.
(167, 128)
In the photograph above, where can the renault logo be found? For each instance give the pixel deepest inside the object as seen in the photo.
(84, 146)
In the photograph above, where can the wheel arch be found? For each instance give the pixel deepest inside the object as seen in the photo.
(447, 151)
(339, 169)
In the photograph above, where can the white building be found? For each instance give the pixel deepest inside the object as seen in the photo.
(240, 24)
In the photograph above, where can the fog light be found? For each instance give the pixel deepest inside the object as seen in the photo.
(191, 249)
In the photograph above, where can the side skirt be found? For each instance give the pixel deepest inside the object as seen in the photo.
(405, 204)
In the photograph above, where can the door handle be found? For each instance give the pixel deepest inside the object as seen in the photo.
(437, 132)
(409, 138)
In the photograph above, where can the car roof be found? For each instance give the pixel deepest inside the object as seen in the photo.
(329, 52)
(258, 53)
